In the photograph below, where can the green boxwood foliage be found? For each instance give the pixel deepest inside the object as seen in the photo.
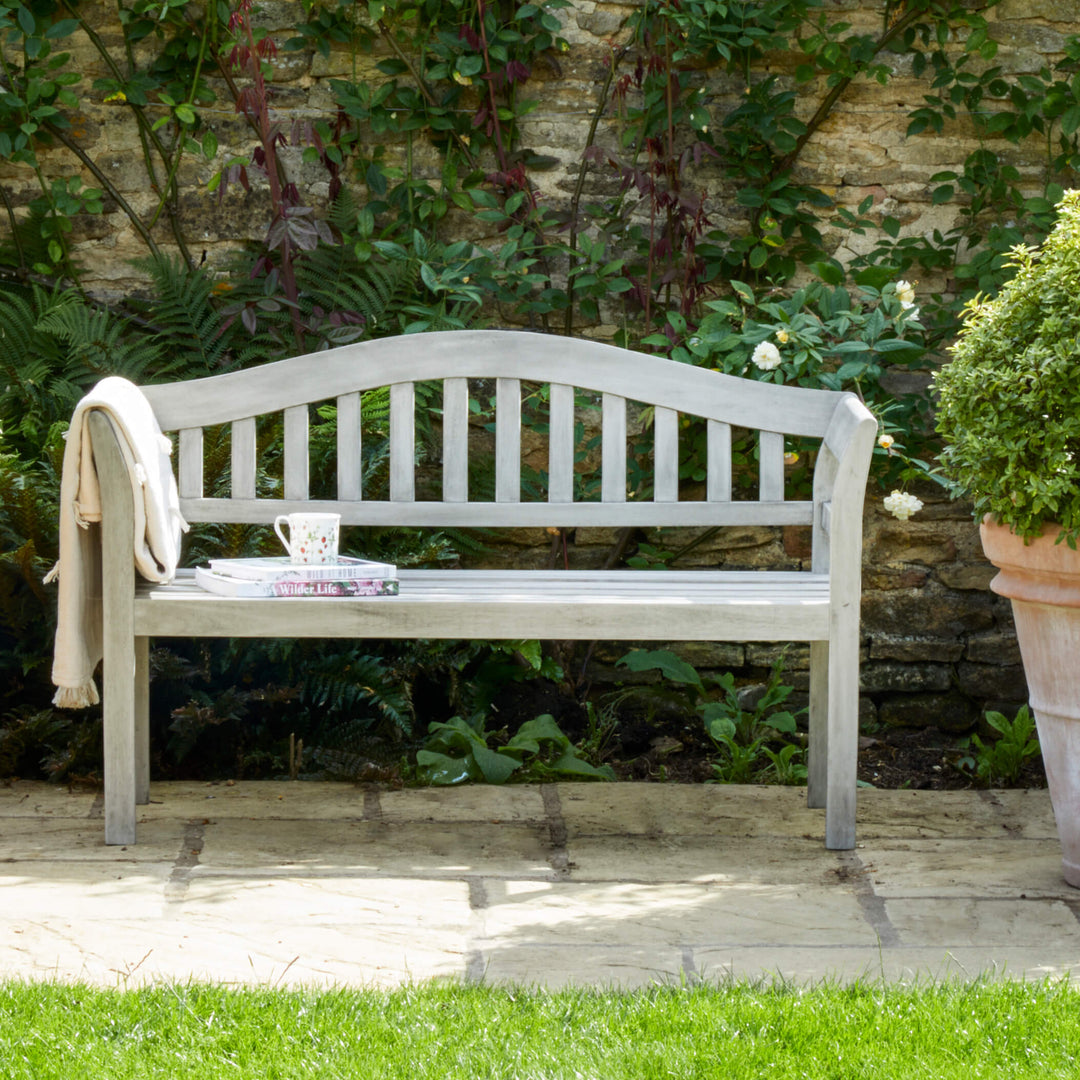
(1010, 399)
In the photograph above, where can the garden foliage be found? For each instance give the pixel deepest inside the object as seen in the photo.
(390, 253)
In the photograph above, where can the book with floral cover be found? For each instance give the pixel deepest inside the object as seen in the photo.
(226, 585)
(278, 567)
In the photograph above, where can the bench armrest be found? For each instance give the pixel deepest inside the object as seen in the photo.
(840, 477)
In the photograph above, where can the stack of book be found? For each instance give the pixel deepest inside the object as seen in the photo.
(277, 576)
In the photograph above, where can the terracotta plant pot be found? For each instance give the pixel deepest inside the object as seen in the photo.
(1042, 579)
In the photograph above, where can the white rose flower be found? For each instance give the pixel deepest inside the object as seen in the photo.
(885, 441)
(902, 505)
(766, 356)
(905, 292)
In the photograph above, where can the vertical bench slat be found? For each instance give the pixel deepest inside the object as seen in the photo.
(770, 466)
(296, 452)
(665, 455)
(242, 438)
(191, 463)
(718, 463)
(613, 449)
(507, 440)
(402, 442)
(561, 444)
(348, 448)
(455, 460)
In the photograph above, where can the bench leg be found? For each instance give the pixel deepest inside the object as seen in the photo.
(817, 755)
(142, 720)
(843, 734)
(118, 708)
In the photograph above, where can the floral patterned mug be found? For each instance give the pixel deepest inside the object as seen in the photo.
(313, 538)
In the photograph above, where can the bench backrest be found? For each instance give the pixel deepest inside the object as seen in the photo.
(506, 359)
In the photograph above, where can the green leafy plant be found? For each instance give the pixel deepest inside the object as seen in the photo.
(1010, 402)
(740, 730)
(1000, 761)
(458, 751)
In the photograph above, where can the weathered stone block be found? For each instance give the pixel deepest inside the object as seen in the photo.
(927, 612)
(921, 544)
(895, 576)
(913, 649)
(982, 681)
(905, 678)
(967, 576)
(994, 648)
(949, 712)
(796, 655)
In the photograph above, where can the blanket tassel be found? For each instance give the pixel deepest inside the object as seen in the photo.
(76, 697)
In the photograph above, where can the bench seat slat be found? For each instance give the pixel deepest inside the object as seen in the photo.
(458, 604)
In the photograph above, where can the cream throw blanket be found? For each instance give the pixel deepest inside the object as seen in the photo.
(158, 525)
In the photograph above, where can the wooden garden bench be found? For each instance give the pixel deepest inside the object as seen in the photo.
(820, 606)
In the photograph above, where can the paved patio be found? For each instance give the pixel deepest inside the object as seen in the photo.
(625, 884)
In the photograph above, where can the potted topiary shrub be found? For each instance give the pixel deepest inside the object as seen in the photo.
(1009, 413)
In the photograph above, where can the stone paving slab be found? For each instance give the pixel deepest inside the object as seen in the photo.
(956, 923)
(128, 953)
(56, 839)
(78, 890)
(24, 798)
(1017, 867)
(687, 809)
(592, 884)
(480, 803)
(1028, 813)
(375, 848)
(909, 966)
(256, 800)
(703, 859)
(628, 967)
(550, 913)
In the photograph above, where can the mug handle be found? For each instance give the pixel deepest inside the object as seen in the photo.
(281, 536)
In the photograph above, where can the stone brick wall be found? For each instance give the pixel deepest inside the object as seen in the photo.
(860, 150)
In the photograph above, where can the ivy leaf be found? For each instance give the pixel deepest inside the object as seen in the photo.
(831, 273)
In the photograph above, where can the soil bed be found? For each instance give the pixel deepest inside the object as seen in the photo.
(672, 746)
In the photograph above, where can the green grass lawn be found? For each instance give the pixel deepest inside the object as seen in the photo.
(1000, 1029)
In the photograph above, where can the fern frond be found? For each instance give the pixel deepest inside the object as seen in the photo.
(186, 319)
(347, 681)
(100, 343)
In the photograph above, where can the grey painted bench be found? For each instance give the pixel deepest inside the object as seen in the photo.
(819, 606)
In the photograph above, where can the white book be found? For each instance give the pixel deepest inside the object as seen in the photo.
(275, 567)
(226, 585)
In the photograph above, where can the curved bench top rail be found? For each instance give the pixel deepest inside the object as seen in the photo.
(490, 354)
